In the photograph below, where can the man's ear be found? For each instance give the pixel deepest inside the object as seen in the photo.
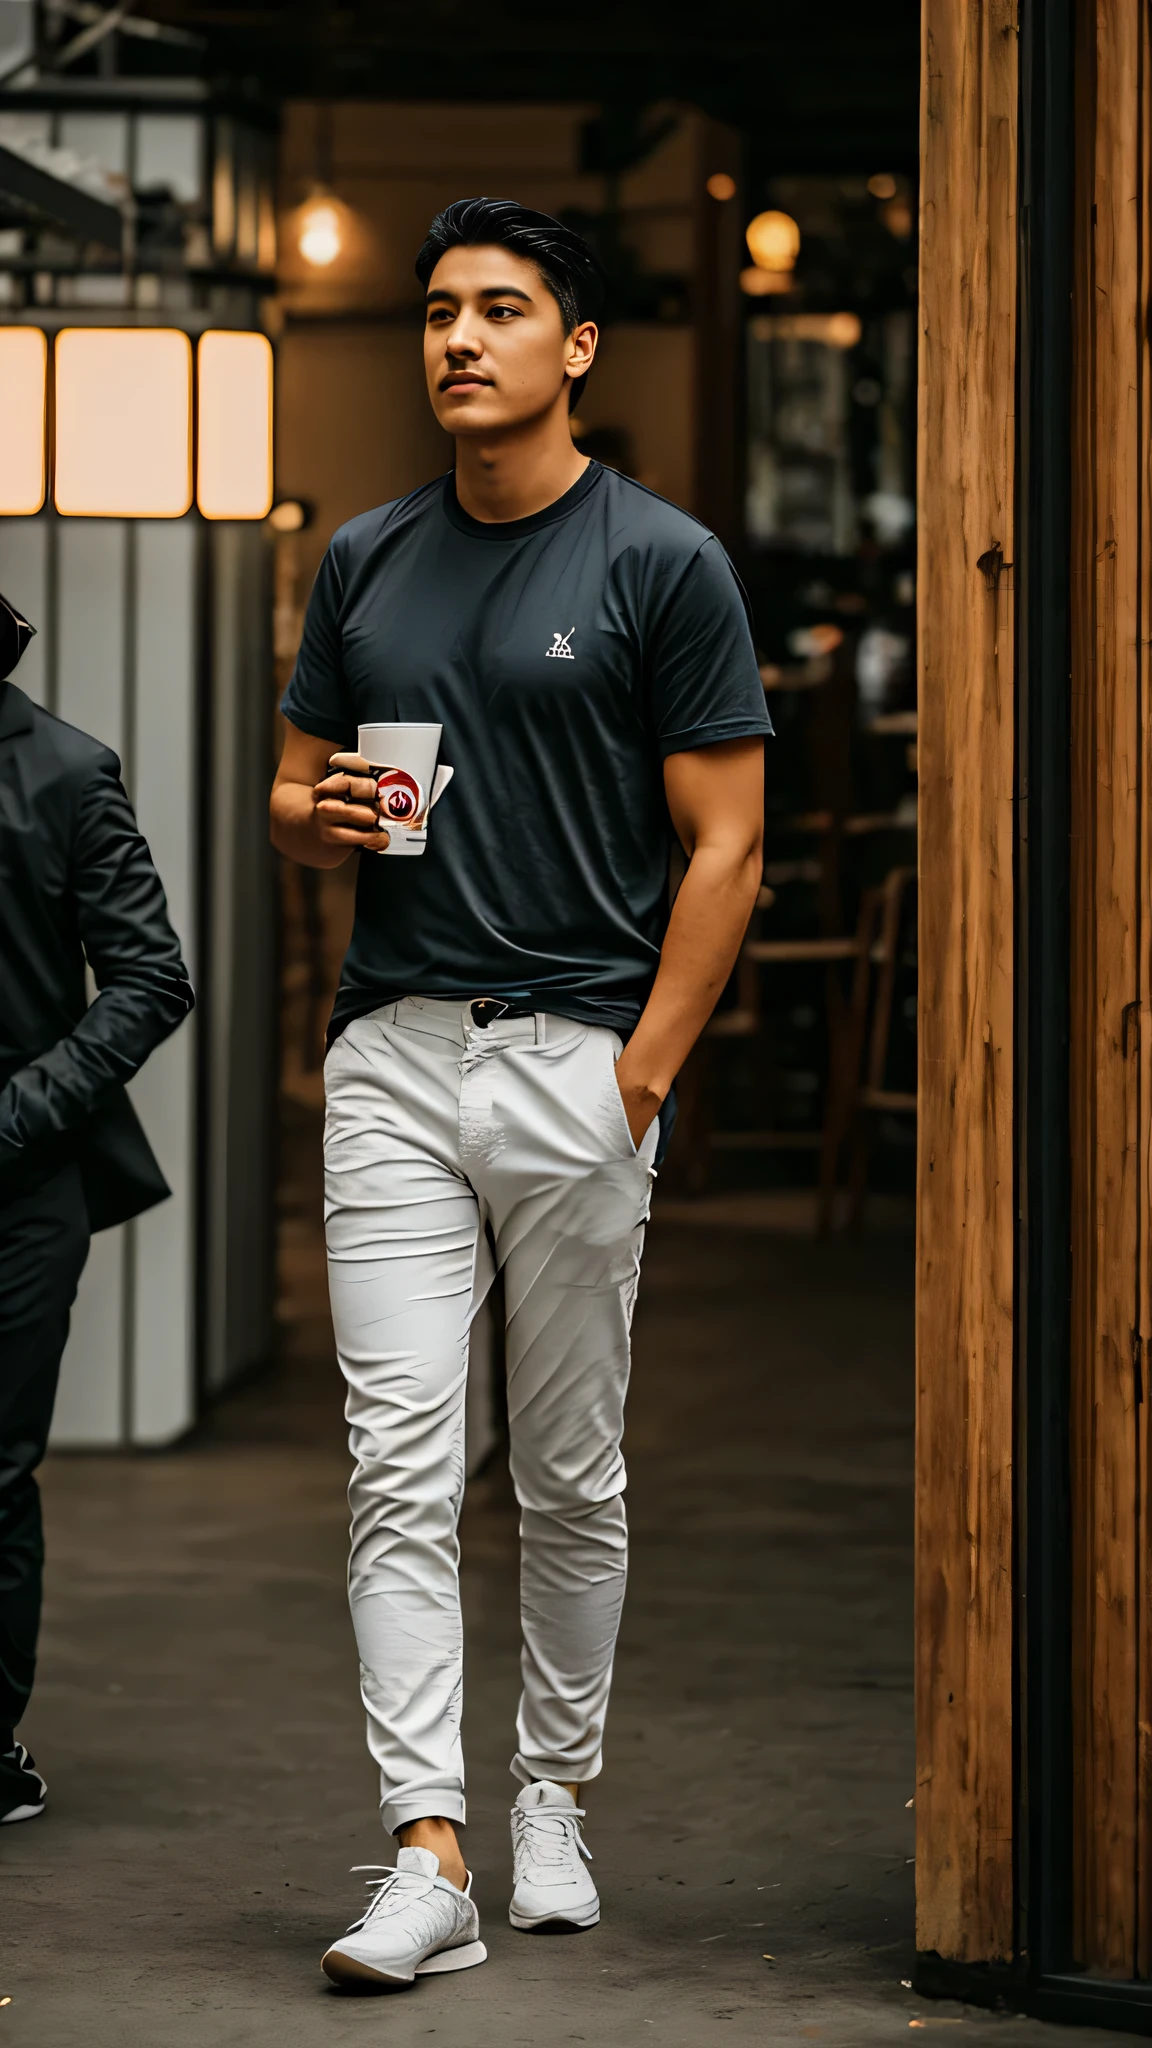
(582, 348)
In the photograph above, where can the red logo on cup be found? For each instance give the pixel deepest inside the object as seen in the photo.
(400, 796)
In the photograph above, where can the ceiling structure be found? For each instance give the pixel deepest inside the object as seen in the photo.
(818, 83)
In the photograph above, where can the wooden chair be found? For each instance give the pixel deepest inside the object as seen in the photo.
(847, 1022)
(688, 1167)
(872, 1097)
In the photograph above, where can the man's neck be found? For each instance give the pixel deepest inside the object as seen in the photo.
(518, 473)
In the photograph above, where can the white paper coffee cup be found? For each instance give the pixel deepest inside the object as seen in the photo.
(408, 781)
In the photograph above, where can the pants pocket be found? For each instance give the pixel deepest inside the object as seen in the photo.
(618, 1116)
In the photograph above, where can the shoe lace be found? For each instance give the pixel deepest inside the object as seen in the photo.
(392, 1890)
(544, 1836)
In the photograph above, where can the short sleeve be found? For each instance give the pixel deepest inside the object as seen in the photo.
(704, 678)
(317, 699)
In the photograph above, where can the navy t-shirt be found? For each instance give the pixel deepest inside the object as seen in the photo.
(566, 656)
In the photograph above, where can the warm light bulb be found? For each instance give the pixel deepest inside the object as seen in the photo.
(773, 241)
(320, 239)
(721, 186)
(897, 218)
(882, 186)
(843, 329)
(289, 516)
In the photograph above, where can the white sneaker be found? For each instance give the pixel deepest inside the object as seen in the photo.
(418, 1924)
(552, 1886)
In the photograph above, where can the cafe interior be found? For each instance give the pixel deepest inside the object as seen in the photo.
(758, 368)
(748, 178)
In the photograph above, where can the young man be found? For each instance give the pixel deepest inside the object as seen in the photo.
(77, 885)
(513, 1010)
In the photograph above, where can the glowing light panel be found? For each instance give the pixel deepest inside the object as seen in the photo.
(759, 284)
(836, 330)
(123, 422)
(23, 384)
(234, 439)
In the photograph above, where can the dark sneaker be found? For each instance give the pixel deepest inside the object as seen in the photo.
(22, 1789)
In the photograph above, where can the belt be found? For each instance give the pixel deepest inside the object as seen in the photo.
(492, 1010)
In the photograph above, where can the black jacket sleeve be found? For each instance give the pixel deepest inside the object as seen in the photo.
(134, 955)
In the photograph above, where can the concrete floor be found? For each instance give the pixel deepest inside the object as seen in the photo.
(197, 1715)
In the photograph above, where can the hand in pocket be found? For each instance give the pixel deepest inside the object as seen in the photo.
(641, 1102)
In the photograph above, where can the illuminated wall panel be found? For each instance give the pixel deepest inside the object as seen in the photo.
(23, 383)
(234, 441)
(123, 422)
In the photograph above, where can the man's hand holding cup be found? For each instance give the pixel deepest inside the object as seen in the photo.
(347, 807)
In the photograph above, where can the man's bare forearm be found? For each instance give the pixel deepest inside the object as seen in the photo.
(708, 922)
(323, 805)
(295, 830)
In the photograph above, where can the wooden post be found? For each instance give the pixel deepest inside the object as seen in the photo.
(964, 1609)
(1110, 1036)
(980, 1721)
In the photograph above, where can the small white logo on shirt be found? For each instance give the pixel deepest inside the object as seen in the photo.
(560, 650)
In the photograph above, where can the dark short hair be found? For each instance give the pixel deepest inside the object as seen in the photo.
(563, 258)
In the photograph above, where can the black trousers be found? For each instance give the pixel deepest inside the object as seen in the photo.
(43, 1246)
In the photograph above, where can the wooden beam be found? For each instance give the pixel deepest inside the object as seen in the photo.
(1111, 1041)
(965, 1258)
(718, 321)
(1143, 1360)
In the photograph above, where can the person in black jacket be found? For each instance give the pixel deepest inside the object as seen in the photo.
(76, 884)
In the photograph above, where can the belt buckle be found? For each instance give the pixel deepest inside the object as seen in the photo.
(488, 1010)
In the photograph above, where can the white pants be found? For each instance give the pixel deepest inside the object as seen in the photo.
(445, 1142)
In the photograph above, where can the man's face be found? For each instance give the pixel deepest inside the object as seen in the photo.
(495, 351)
